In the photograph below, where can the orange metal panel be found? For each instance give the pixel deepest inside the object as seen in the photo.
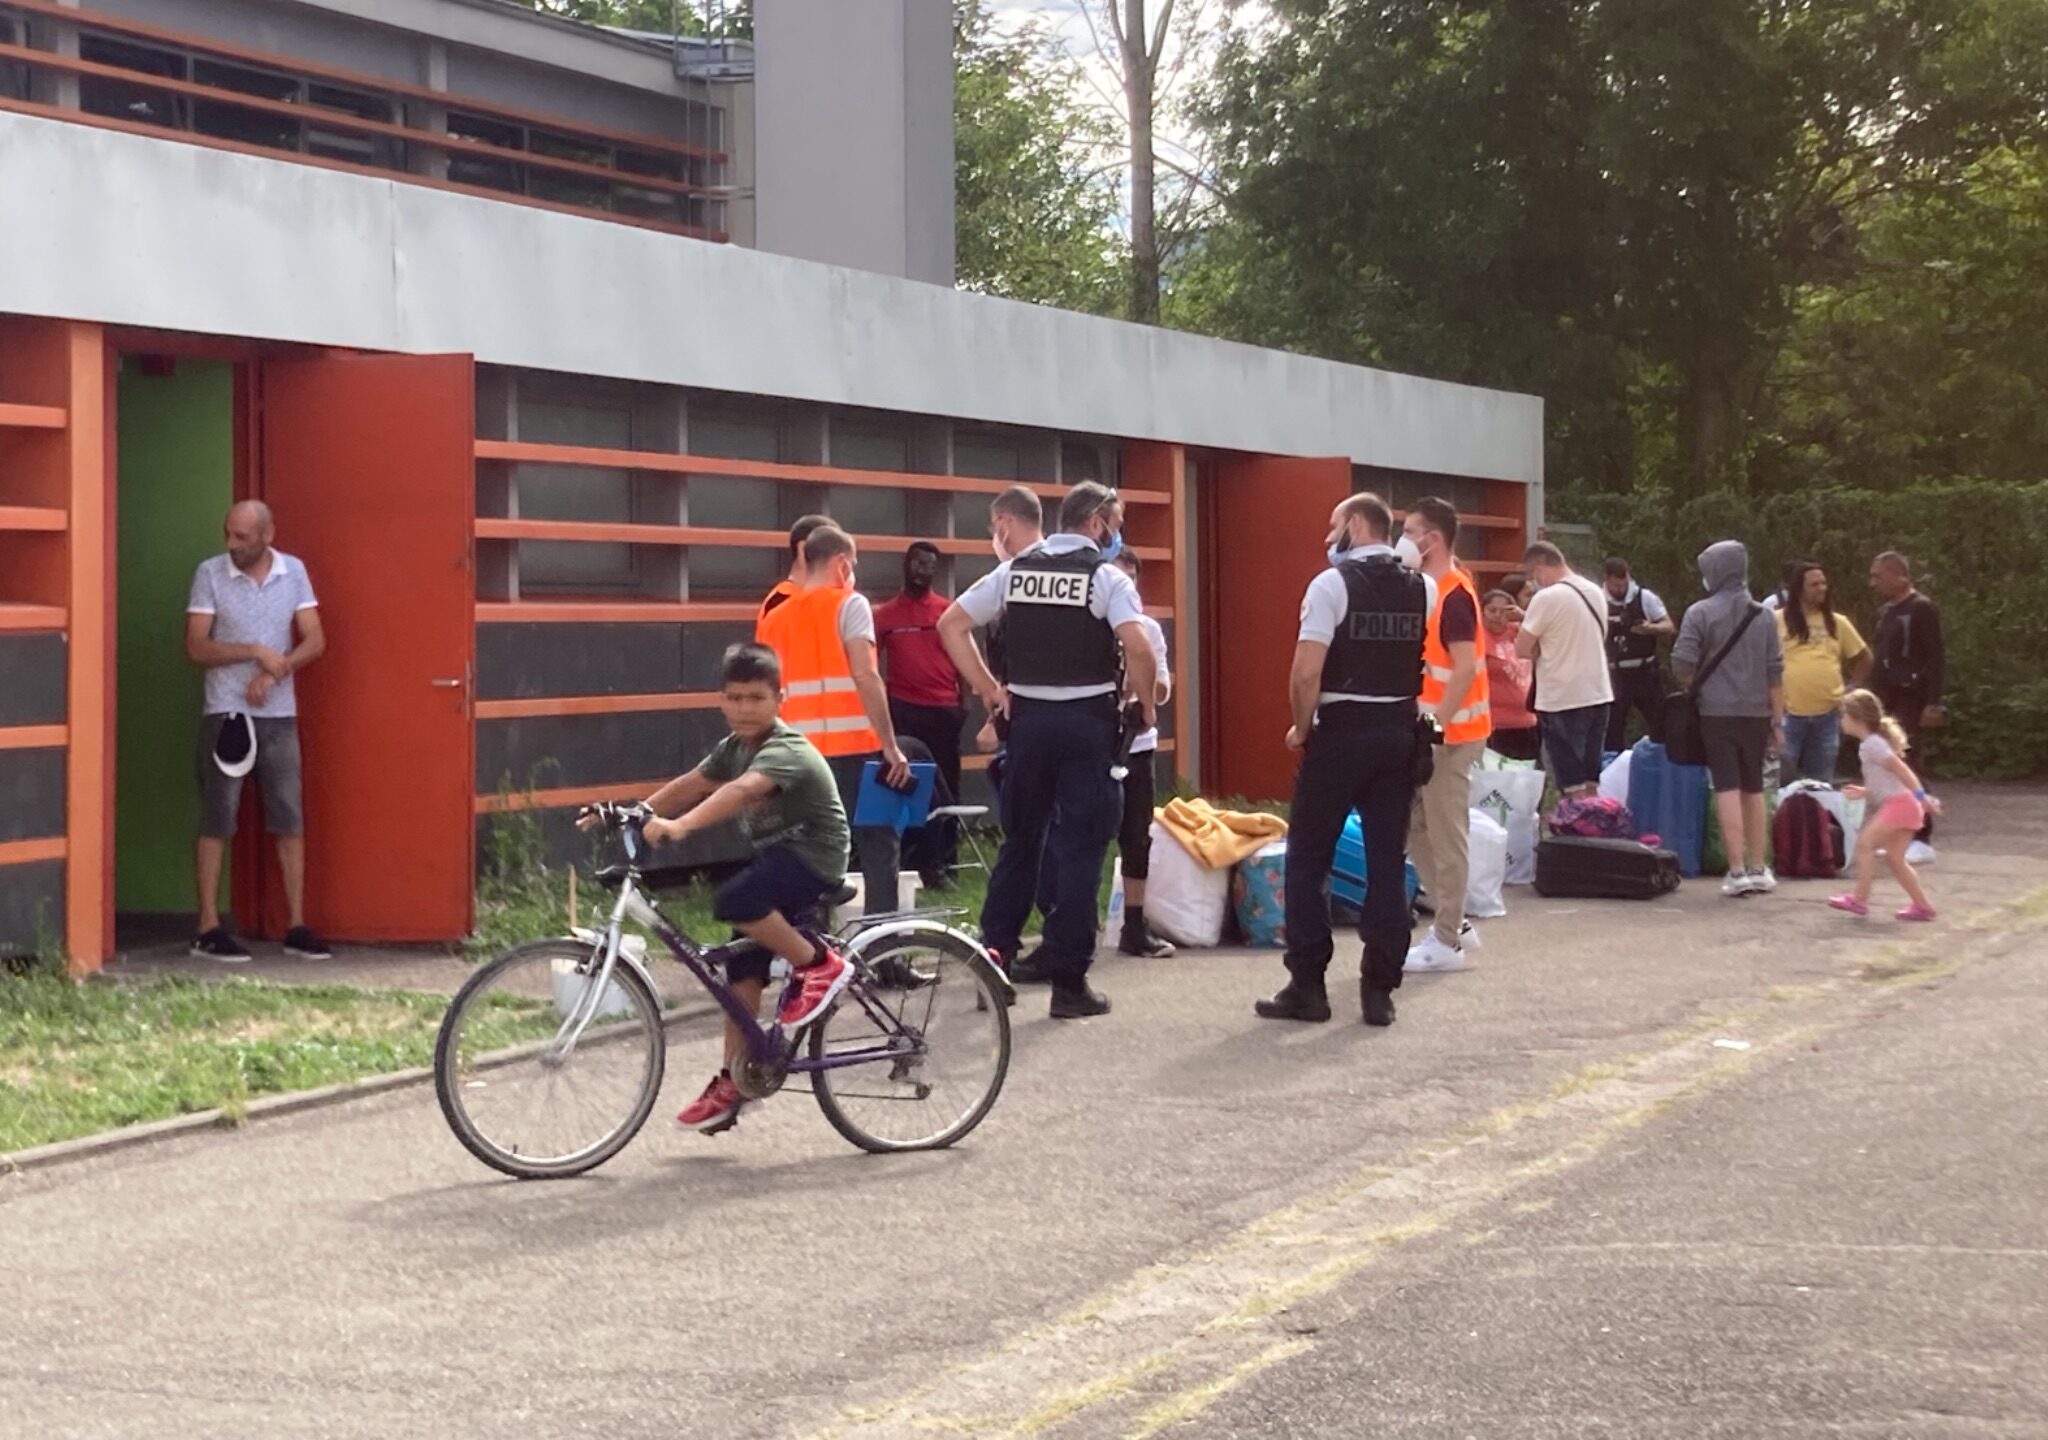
(556, 612)
(584, 705)
(628, 533)
(31, 617)
(650, 460)
(31, 517)
(25, 852)
(34, 737)
(32, 417)
(367, 462)
(89, 865)
(1263, 540)
(356, 79)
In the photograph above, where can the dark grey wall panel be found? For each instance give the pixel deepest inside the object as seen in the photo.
(563, 843)
(551, 752)
(31, 900)
(523, 662)
(31, 794)
(32, 671)
(704, 645)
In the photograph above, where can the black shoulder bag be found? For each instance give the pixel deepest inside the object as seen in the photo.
(1683, 743)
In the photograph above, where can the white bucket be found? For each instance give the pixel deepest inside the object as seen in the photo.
(907, 886)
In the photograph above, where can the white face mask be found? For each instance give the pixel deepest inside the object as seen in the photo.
(1408, 553)
(995, 543)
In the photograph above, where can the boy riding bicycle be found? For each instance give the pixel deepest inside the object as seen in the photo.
(776, 784)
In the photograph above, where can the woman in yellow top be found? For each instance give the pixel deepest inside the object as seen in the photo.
(1821, 648)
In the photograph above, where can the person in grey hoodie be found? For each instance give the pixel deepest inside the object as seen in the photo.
(1742, 706)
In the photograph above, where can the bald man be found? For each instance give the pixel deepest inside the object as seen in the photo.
(252, 623)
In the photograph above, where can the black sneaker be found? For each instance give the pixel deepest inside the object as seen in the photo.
(1145, 944)
(219, 944)
(302, 942)
(1379, 1005)
(1075, 1001)
(1294, 1002)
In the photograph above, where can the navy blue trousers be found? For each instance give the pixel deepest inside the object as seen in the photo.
(1059, 757)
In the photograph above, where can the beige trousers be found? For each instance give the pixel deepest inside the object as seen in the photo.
(1440, 835)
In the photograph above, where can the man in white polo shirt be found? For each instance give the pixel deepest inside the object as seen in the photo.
(253, 623)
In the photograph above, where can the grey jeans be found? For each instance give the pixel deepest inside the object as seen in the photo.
(277, 773)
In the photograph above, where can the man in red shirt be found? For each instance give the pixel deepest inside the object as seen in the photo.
(924, 694)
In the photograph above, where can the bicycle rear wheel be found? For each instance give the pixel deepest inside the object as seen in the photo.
(517, 1095)
(940, 994)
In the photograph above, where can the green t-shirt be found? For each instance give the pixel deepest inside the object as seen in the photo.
(804, 813)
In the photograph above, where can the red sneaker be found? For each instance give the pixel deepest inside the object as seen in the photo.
(718, 1108)
(817, 986)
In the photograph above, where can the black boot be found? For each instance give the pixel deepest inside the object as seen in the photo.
(1030, 968)
(1073, 1000)
(1378, 1004)
(1295, 1001)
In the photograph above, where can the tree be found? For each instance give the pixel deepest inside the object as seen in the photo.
(1031, 221)
(1622, 207)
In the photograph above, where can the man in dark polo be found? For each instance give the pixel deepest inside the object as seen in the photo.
(253, 623)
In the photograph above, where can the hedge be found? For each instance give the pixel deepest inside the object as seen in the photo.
(1977, 548)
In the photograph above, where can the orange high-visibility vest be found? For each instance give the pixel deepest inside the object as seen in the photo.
(1473, 720)
(819, 698)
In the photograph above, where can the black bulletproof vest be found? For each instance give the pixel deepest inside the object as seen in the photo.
(1050, 636)
(1622, 641)
(1377, 649)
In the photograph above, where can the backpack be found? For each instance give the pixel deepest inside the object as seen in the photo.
(1806, 841)
(1593, 817)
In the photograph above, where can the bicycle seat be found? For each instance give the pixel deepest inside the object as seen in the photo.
(834, 899)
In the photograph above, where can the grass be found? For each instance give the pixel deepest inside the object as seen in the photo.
(78, 1059)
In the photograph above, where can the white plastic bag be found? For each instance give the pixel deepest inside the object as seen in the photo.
(1614, 779)
(1512, 798)
(1488, 852)
(1848, 813)
(1184, 899)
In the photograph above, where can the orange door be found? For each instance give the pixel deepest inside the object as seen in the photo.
(1263, 519)
(369, 464)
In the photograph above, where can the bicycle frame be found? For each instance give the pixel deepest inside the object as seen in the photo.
(768, 1045)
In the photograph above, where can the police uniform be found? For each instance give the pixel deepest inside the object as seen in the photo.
(1059, 603)
(1632, 663)
(1373, 613)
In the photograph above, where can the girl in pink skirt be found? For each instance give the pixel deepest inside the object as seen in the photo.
(1896, 805)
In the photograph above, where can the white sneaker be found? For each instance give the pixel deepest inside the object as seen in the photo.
(1919, 853)
(1737, 883)
(1430, 955)
(1468, 938)
(1762, 882)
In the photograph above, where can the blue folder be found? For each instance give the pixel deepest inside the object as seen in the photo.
(878, 806)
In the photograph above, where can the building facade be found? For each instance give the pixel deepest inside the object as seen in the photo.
(539, 447)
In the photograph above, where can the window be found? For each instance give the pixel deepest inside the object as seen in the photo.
(377, 150)
(98, 95)
(1081, 460)
(986, 457)
(468, 167)
(564, 492)
(230, 121)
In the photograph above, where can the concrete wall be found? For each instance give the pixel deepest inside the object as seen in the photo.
(854, 129)
(128, 230)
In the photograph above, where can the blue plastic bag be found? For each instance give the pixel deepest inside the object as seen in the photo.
(1258, 893)
(1347, 872)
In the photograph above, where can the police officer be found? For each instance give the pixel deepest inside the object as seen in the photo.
(1357, 676)
(1071, 634)
(1636, 621)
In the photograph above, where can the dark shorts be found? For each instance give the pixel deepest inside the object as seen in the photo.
(277, 779)
(1573, 739)
(1735, 746)
(1134, 836)
(775, 881)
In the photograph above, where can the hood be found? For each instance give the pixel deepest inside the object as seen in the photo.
(1724, 566)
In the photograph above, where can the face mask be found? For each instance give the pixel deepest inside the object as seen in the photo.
(1408, 553)
(995, 543)
(1114, 546)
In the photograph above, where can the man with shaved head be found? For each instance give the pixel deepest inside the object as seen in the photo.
(253, 624)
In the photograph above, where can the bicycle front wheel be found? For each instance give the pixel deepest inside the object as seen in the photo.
(523, 1090)
(938, 1002)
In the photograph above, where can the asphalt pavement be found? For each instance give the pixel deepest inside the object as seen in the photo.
(1689, 1168)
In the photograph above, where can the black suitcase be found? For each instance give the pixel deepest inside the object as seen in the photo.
(1578, 867)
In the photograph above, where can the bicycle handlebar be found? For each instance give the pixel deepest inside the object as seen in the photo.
(624, 818)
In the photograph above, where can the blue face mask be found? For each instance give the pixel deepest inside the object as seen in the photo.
(1114, 546)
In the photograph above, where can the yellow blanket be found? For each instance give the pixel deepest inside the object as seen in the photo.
(1217, 838)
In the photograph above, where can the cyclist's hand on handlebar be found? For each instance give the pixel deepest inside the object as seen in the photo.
(657, 829)
(588, 817)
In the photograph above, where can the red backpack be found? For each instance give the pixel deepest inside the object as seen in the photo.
(1806, 841)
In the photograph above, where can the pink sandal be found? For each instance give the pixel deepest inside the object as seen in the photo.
(1849, 904)
(1917, 912)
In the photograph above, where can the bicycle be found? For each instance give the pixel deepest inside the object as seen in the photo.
(924, 1022)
